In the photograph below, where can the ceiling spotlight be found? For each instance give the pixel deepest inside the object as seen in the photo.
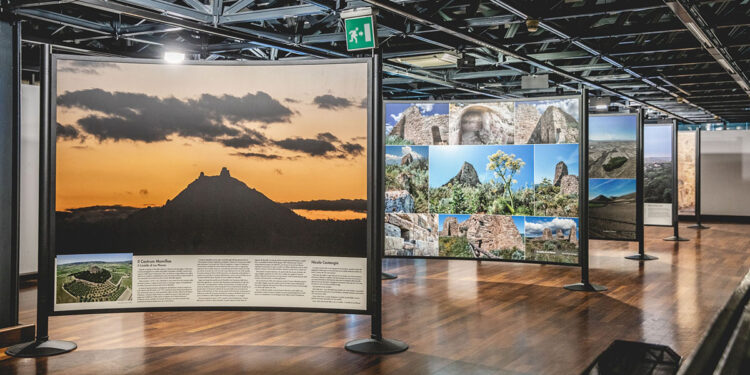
(532, 25)
(174, 57)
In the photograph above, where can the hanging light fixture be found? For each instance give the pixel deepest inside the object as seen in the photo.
(532, 25)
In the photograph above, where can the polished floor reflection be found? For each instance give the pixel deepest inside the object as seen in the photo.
(459, 317)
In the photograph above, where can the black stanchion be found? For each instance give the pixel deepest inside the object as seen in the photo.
(42, 346)
(583, 162)
(675, 196)
(698, 224)
(376, 344)
(641, 256)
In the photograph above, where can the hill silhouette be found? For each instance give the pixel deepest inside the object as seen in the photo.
(212, 215)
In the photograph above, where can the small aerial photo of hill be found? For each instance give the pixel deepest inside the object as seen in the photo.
(406, 175)
(657, 154)
(612, 209)
(547, 121)
(552, 239)
(94, 278)
(482, 180)
(612, 146)
(481, 124)
(482, 236)
(416, 123)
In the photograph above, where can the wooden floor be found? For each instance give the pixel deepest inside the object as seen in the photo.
(459, 317)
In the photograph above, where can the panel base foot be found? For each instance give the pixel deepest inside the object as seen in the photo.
(673, 238)
(373, 346)
(35, 349)
(641, 257)
(587, 287)
(698, 226)
(387, 276)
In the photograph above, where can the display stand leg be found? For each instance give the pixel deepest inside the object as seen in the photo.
(43, 346)
(583, 157)
(698, 224)
(376, 344)
(641, 256)
(387, 276)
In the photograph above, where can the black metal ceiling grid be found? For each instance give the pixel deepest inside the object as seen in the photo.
(631, 50)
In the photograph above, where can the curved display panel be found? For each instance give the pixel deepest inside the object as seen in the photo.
(211, 186)
(489, 180)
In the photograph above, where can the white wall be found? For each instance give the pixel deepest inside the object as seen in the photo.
(29, 201)
(725, 172)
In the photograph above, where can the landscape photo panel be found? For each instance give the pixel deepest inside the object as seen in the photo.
(155, 159)
(658, 184)
(612, 146)
(552, 239)
(612, 209)
(493, 168)
(416, 123)
(686, 165)
(406, 176)
(482, 179)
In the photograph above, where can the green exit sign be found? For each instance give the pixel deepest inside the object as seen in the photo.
(360, 33)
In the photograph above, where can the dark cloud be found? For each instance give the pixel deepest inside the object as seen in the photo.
(363, 103)
(143, 192)
(312, 147)
(67, 131)
(327, 137)
(353, 149)
(291, 100)
(140, 117)
(250, 138)
(331, 102)
(256, 155)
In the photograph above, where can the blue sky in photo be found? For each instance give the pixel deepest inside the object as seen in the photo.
(459, 218)
(393, 111)
(393, 154)
(570, 106)
(613, 128)
(546, 158)
(520, 223)
(610, 187)
(446, 161)
(657, 141)
(78, 258)
(535, 225)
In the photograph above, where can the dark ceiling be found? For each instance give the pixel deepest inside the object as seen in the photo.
(688, 58)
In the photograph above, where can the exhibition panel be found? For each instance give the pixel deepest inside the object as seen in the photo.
(658, 174)
(495, 180)
(725, 171)
(211, 186)
(613, 188)
(686, 164)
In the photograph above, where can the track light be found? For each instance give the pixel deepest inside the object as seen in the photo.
(532, 25)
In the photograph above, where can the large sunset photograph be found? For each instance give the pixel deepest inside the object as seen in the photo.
(233, 159)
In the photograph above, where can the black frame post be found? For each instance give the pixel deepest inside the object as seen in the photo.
(583, 200)
(698, 224)
(42, 346)
(10, 125)
(639, 232)
(376, 344)
(675, 196)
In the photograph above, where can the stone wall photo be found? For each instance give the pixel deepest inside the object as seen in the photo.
(406, 175)
(482, 236)
(547, 121)
(481, 124)
(416, 123)
(411, 235)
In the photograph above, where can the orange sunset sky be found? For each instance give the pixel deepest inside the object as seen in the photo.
(102, 162)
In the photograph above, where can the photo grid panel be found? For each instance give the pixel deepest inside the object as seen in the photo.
(612, 197)
(489, 180)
